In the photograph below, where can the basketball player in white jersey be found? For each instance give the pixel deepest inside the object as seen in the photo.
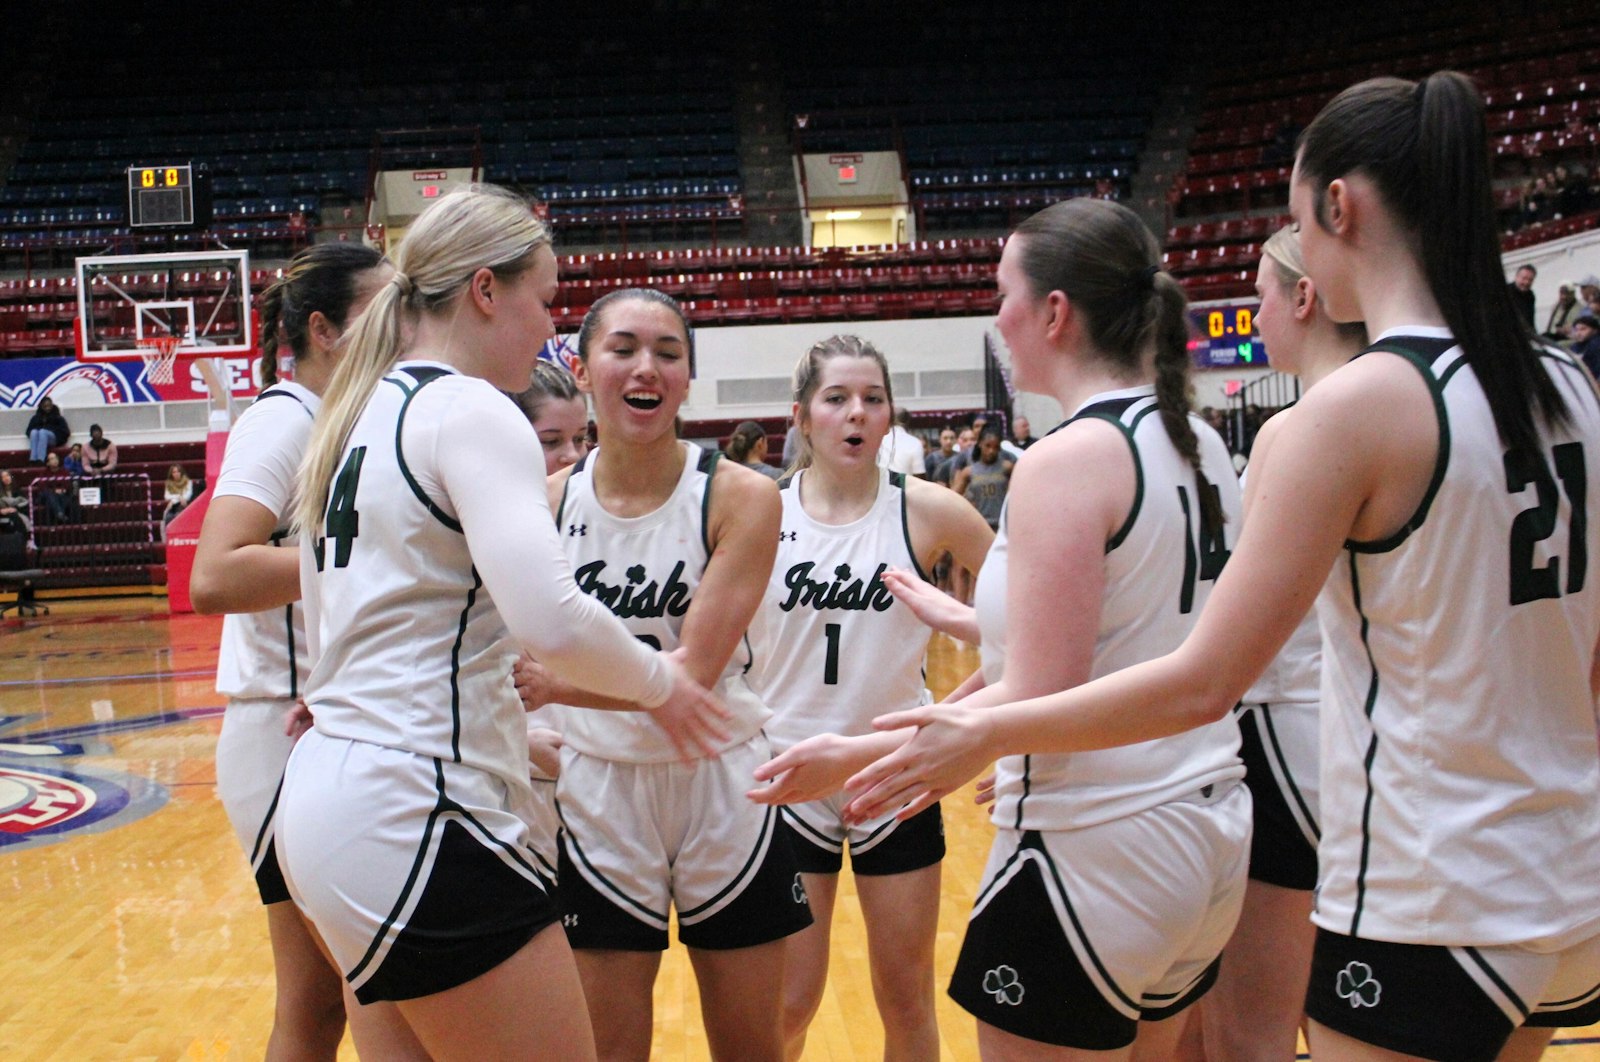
(1255, 1010)
(423, 575)
(679, 544)
(1438, 491)
(832, 645)
(247, 566)
(1115, 877)
(560, 418)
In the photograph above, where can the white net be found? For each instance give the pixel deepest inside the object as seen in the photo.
(160, 354)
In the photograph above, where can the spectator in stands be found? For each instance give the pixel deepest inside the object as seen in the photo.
(13, 506)
(747, 446)
(935, 458)
(900, 450)
(1586, 341)
(74, 461)
(101, 453)
(60, 496)
(46, 429)
(1589, 289)
(1537, 204)
(1022, 436)
(1522, 293)
(180, 492)
(1565, 311)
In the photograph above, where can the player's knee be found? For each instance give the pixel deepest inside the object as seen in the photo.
(904, 994)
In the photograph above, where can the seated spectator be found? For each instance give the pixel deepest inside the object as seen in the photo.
(46, 429)
(1586, 341)
(900, 450)
(1522, 293)
(934, 458)
(74, 462)
(13, 506)
(101, 453)
(1565, 311)
(60, 494)
(747, 446)
(1589, 291)
(1022, 437)
(180, 492)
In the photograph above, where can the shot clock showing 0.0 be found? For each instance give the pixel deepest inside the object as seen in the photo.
(160, 177)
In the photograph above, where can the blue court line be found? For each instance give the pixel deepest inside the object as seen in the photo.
(117, 726)
(92, 680)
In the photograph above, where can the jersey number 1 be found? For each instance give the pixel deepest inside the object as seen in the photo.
(343, 522)
(830, 666)
(1529, 583)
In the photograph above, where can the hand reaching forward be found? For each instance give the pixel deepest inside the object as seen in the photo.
(949, 749)
(544, 752)
(933, 606)
(818, 766)
(695, 721)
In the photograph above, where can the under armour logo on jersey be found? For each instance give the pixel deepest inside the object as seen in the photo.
(1357, 985)
(570, 921)
(577, 530)
(788, 536)
(1003, 984)
(799, 890)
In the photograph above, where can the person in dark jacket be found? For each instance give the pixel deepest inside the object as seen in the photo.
(47, 429)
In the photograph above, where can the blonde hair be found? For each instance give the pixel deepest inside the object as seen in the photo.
(1283, 247)
(808, 380)
(478, 227)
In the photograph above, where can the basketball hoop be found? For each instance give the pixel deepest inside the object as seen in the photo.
(160, 354)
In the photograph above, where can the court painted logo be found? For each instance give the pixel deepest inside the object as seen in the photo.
(1357, 985)
(41, 805)
(1004, 985)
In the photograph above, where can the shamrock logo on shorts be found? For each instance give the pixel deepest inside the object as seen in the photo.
(799, 890)
(1357, 984)
(1002, 983)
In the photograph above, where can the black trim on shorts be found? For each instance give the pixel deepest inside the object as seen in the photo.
(1412, 998)
(594, 920)
(434, 951)
(1279, 852)
(1174, 1003)
(1016, 952)
(1574, 1013)
(916, 843)
(772, 905)
(269, 877)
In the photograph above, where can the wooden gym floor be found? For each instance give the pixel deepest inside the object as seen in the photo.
(132, 928)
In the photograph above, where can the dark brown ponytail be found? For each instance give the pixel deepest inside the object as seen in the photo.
(1424, 144)
(1103, 258)
(321, 278)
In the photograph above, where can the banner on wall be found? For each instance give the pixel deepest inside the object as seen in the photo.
(75, 384)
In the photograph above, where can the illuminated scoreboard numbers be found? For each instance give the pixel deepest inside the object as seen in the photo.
(166, 196)
(1243, 323)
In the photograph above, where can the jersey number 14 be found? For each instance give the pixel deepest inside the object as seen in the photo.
(343, 522)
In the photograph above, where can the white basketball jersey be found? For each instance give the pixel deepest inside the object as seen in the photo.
(1461, 783)
(410, 652)
(1159, 569)
(263, 654)
(834, 647)
(645, 570)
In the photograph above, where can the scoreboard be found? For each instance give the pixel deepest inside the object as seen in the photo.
(172, 196)
(1223, 335)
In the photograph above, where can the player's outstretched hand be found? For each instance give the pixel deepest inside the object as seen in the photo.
(812, 769)
(695, 720)
(985, 793)
(534, 683)
(949, 749)
(933, 606)
(544, 752)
